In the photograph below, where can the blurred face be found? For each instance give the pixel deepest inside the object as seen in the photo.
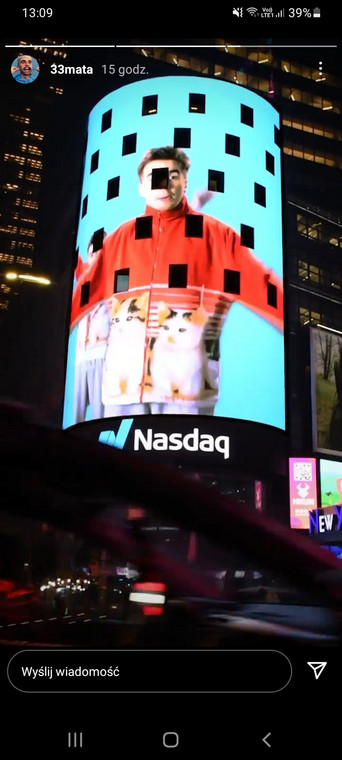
(25, 66)
(163, 198)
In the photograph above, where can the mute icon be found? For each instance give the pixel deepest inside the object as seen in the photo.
(317, 668)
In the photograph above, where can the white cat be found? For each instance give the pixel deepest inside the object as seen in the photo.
(124, 361)
(179, 362)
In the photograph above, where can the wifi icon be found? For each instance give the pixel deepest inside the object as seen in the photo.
(252, 11)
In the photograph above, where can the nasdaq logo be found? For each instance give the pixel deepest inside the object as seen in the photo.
(194, 441)
(117, 439)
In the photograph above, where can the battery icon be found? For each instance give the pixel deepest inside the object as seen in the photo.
(316, 12)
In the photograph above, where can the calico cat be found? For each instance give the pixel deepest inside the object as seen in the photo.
(179, 362)
(124, 360)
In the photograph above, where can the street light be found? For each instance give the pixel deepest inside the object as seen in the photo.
(28, 277)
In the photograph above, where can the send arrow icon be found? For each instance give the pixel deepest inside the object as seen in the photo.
(317, 668)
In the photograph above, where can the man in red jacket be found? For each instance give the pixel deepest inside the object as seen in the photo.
(171, 276)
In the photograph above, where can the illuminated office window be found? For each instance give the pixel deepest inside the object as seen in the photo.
(195, 64)
(33, 177)
(25, 232)
(309, 228)
(29, 204)
(20, 119)
(13, 157)
(35, 150)
(337, 241)
(316, 129)
(36, 135)
(26, 246)
(28, 219)
(306, 316)
(240, 78)
(318, 157)
(10, 229)
(314, 273)
(24, 260)
(260, 56)
(218, 70)
(57, 90)
(35, 163)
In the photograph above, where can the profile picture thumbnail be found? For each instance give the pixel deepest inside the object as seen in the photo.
(25, 69)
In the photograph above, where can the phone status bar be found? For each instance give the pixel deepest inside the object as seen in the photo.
(270, 13)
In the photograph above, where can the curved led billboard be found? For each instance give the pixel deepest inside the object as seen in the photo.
(177, 304)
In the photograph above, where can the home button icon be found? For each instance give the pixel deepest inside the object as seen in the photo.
(170, 739)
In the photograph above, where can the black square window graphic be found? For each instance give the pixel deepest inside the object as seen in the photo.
(182, 138)
(259, 194)
(272, 295)
(247, 235)
(143, 227)
(269, 162)
(84, 206)
(160, 179)
(233, 145)
(216, 181)
(98, 239)
(85, 290)
(121, 280)
(94, 162)
(247, 116)
(277, 136)
(113, 188)
(196, 103)
(231, 281)
(106, 121)
(149, 105)
(129, 144)
(178, 275)
(194, 225)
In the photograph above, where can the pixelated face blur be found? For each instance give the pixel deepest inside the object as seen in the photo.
(25, 66)
(163, 198)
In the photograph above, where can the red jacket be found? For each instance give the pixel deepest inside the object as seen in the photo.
(148, 259)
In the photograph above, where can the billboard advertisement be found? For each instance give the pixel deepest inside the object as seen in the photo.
(177, 303)
(331, 483)
(326, 390)
(303, 490)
